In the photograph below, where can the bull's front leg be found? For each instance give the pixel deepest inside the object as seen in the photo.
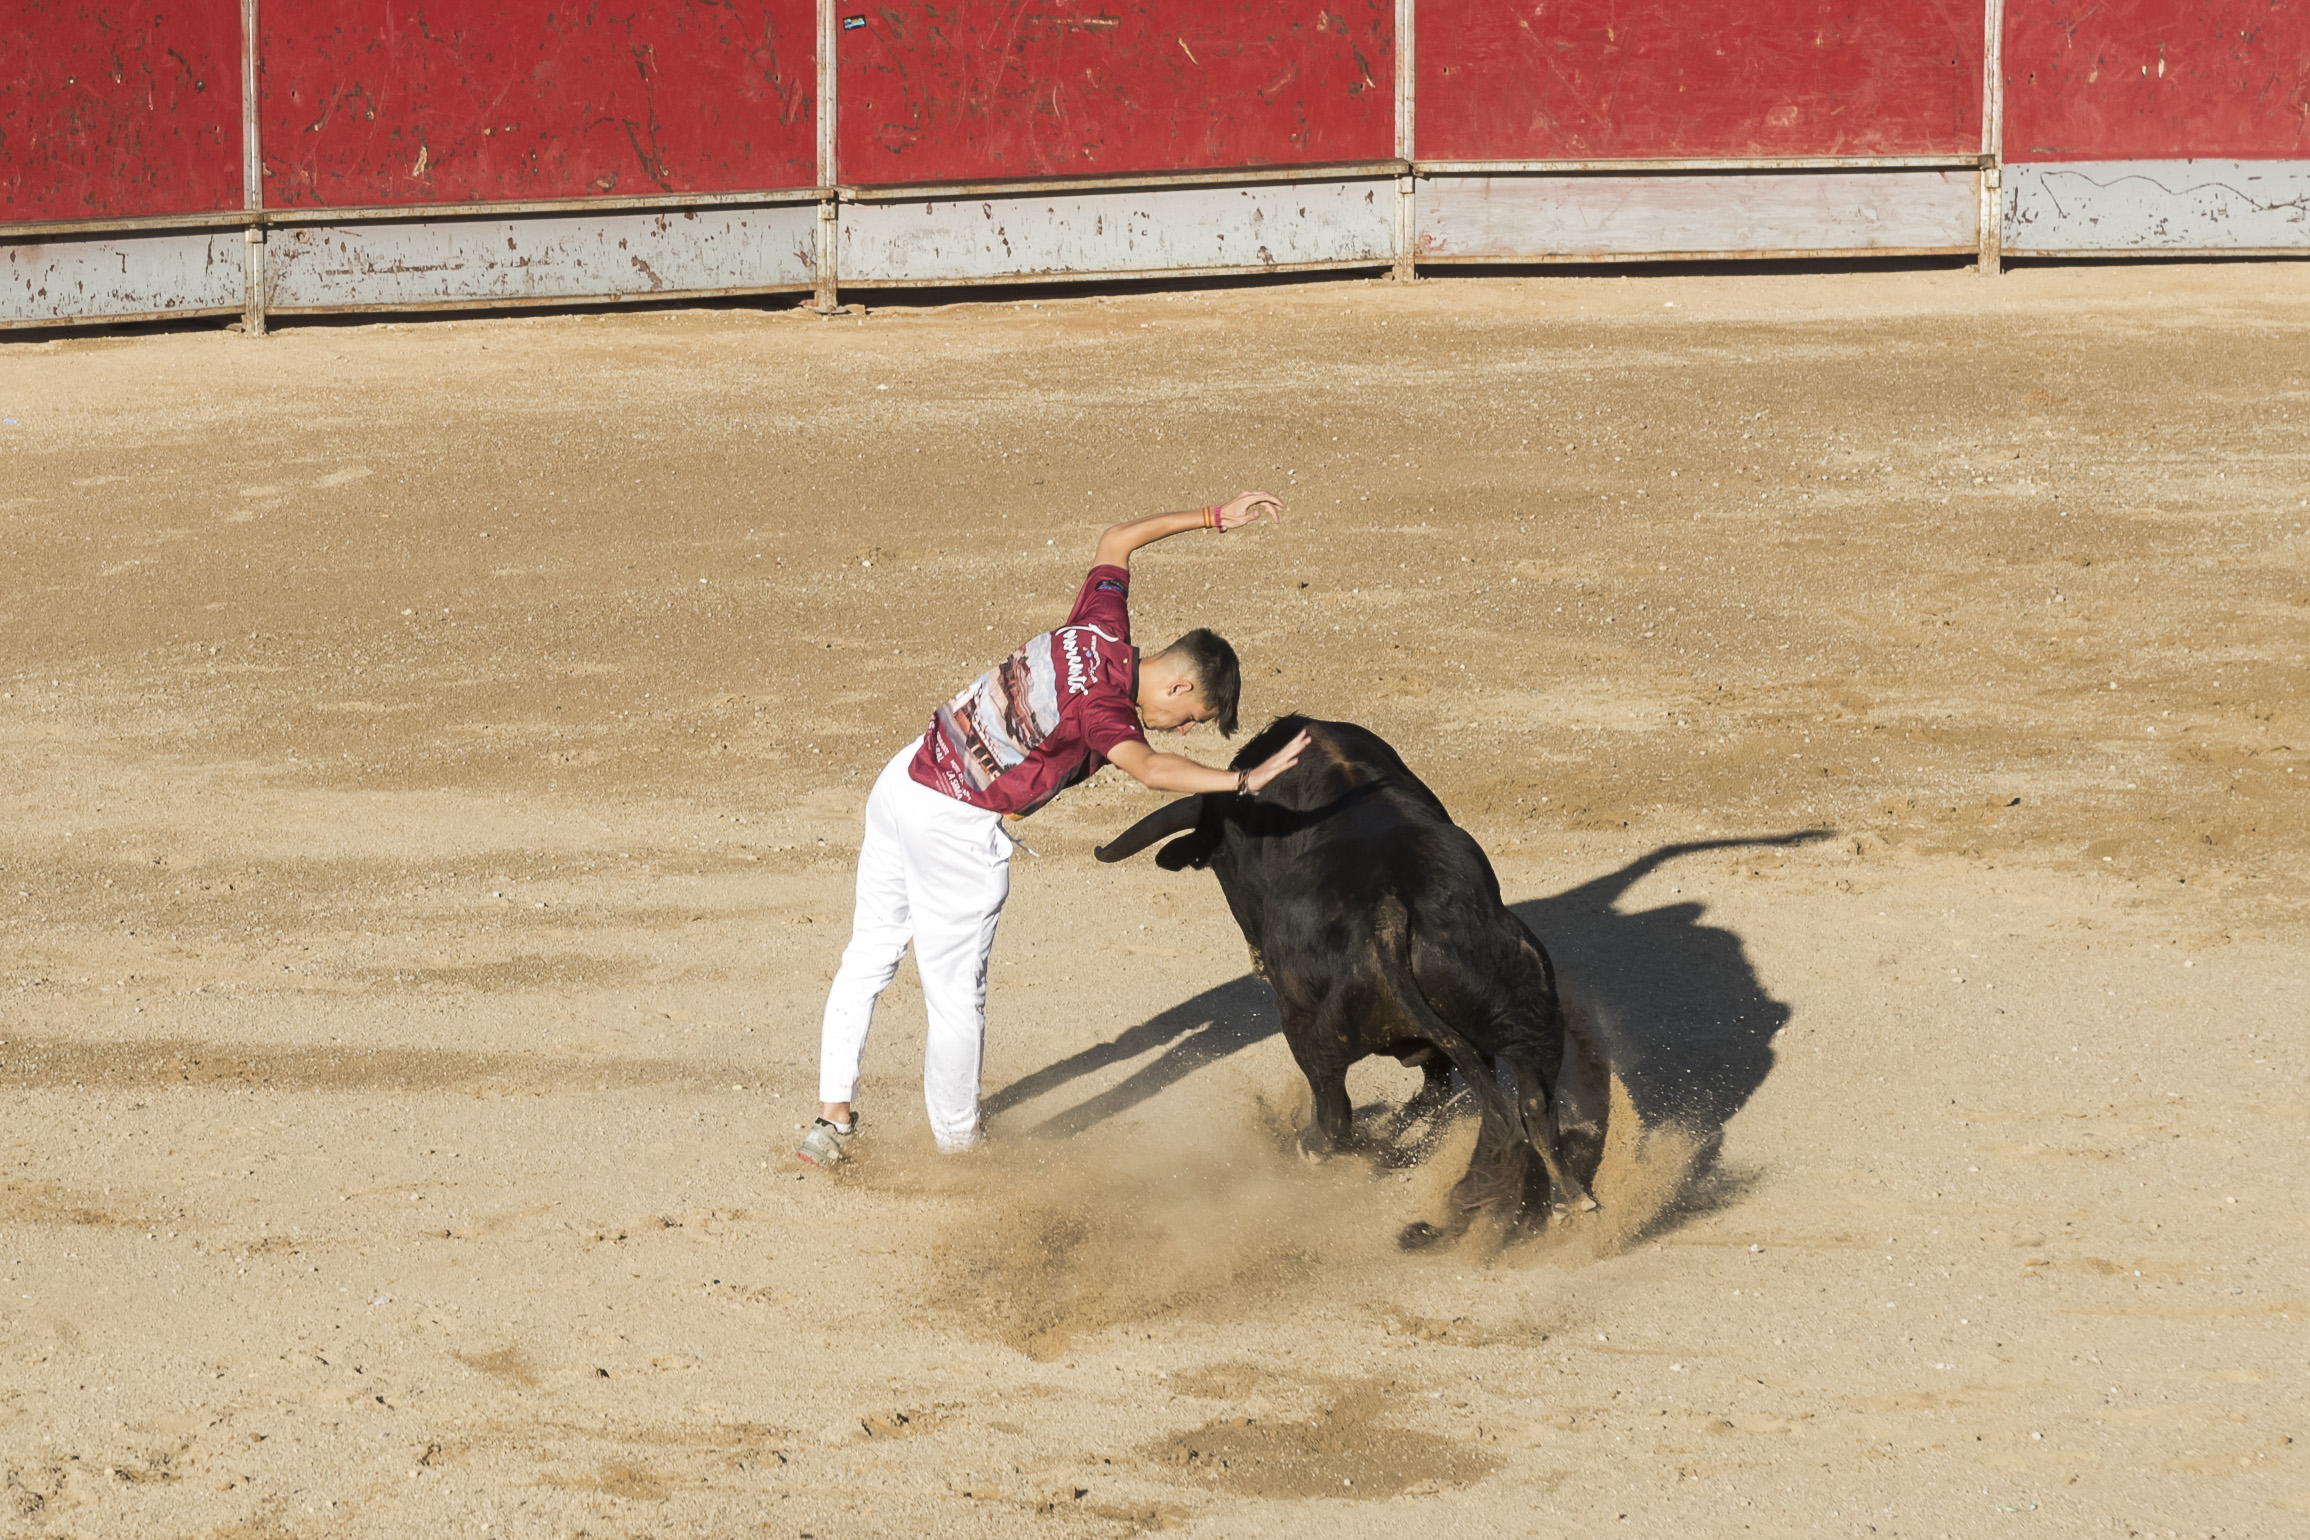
(1318, 1045)
(1331, 1131)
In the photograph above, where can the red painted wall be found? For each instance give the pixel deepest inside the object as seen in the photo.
(2156, 79)
(113, 110)
(369, 102)
(1636, 79)
(972, 90)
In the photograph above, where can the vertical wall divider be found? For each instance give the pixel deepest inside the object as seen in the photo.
(1992, 259)
(1407, 215)
(826, 298)
(252, 181)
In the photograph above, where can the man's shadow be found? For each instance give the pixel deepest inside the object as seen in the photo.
(1222, 1020)
(1687, 1024)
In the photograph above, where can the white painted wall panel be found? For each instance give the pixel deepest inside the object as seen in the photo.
(1605, 216)
(2157, 205)
(395, 265)
(1144, 230)
(109, 277)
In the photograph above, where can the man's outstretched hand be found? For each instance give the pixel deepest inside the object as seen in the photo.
(1276, 763)
(1250, 508)
(1176, 772)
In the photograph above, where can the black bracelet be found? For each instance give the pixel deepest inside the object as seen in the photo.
(1243, 783)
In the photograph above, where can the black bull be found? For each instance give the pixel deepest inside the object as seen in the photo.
(1379, 924)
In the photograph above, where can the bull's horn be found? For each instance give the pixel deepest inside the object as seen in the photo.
(1171, 818)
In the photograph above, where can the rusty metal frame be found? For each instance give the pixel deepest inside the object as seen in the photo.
(660, 203)
(540, 302)
(128, 318)
(1407, 222)
(948, 192)
(826, 296)
(1623, 258)
(1428, 168)
(2160, 254)
(1991, 258)
(134, 224)
(252, 179)
(668, 203)
(1134, 274)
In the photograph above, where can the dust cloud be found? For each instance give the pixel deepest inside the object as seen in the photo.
(1044, 1242)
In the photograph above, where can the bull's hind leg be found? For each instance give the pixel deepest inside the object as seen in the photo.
(1495, 1174)
(1540, 1128)
(1581, 1097)
(1494, 1180)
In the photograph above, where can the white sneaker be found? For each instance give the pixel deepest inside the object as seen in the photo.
(823, 1145)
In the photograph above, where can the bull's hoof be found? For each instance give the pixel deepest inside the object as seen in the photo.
(1420, 1235)
(1315, 1145)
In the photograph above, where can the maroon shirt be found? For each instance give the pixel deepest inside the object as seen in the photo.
(1045, 717)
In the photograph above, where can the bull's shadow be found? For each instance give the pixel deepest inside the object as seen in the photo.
(1688, 1024)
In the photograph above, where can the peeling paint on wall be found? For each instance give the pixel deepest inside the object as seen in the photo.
(1582, 79)
(2151, 206)
(983, 90)
(110, 277)
(364, 103)
(113, 111)
(1602, 217)
(1153, 229)
(391, 264)
(2156, 79)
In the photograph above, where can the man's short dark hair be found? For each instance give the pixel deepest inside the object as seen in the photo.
(1218, 676)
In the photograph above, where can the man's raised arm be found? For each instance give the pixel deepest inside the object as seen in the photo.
(1117, 544)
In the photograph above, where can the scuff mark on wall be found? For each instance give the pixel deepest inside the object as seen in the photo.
(111, 114)
(966, 92)
(517, 102)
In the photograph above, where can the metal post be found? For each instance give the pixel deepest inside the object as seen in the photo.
(253, 268)
(1992, 257)
(1407, 224)
(252, 180)
(826, 300)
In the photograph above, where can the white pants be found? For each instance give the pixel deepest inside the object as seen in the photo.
(933, 872)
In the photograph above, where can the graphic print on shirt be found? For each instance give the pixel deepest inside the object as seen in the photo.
(999, 718)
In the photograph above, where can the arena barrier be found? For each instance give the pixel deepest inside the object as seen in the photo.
(284, 157)
(2151, 126)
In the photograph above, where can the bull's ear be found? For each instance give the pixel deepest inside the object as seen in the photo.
(1171, 818)
(1191, 849)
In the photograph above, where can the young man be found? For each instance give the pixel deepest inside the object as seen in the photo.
(935, 865)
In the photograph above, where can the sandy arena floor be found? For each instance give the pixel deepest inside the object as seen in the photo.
(432, 756)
